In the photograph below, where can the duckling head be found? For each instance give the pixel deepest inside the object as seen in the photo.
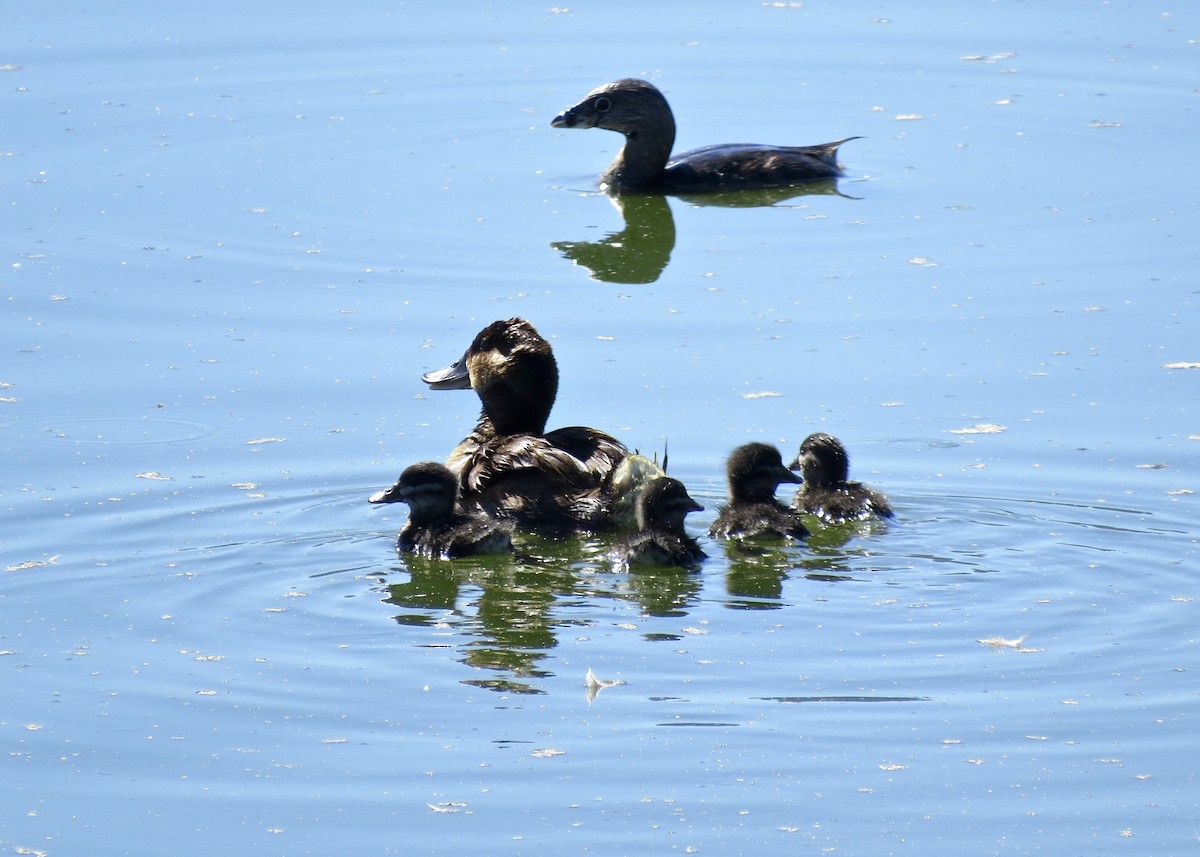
(822, 461)
(754, 471)
(429, 489)
(663, 504)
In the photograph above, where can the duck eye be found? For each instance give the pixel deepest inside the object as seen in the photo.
(602, 105)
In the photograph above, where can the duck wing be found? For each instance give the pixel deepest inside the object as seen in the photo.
(597, 453)
(746, 165)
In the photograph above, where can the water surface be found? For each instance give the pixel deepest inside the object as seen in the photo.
(236, 237)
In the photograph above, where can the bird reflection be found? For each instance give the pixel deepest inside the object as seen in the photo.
(504, 615)
(640, 252)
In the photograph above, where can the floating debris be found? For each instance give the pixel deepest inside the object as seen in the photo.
(154, 474)
(766, 394)
(1181, 365)
(256, 441)
(595, 685)
(448, 806)
(33, 563)
(908, 117)
(1003, 55)
(999, 644)
(980, 428)
(548, 753)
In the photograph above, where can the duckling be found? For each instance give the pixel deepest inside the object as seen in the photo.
(509, 466)
(824, 466)
(436, 528)
(660, 538)
(638, 110)
(753, 472)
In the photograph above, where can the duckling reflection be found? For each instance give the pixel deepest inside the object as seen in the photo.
(661, 538)
(436, 527)
(505, 629)
(753, 473)
(756, 572)
(637, 110)
(825, 466)
(639, 253)
(509, 466)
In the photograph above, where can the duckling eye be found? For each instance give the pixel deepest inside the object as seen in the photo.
(602, 105)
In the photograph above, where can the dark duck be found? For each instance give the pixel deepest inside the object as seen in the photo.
(436, 526)
(753, 473)
(573, 478)
(661, 539)
(825, 466)
(638, 110)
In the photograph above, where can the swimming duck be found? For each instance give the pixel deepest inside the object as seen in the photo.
(824, 465)
(436, 527)
(661, 539)
(638, 110)
(510, 466)
(753, 472)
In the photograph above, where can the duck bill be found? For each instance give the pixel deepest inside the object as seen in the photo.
(453, 377)
(786, 475)
(570, 118)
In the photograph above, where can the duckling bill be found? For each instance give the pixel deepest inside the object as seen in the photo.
(637, 110)
(509, 466)
(436, 527)
(753, 472)
(824, 465)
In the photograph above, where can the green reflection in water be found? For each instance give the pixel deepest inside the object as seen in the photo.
(505, 612)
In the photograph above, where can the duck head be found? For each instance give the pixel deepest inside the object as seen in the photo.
(512, 369)
(627, 106)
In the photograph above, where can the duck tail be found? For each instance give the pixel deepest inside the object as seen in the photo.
(827, 152)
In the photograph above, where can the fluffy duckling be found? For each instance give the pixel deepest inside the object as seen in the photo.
(436, 527)
(660, 538)
(824, 465)
(753, 472)
(638, 110)
(510, 466)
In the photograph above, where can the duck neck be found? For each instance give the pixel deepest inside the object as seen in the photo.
(513, 412)
(641, 161)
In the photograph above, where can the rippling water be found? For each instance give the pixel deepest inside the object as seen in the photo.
(237, 236)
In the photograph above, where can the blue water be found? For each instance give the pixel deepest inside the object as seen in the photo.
(236, 236)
